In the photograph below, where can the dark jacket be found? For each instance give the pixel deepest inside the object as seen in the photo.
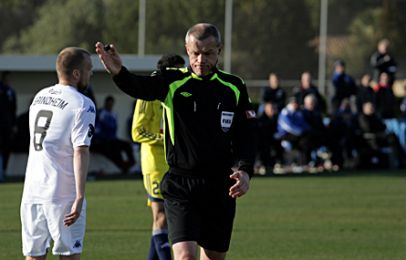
(8, 107)
(371, 124)
(365, 94)
(344, 86)
(300, 93)
(383, 63)
(209, 121)
(276, 96)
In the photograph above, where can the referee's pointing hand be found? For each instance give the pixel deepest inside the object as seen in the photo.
(241, 185)
(109, 57)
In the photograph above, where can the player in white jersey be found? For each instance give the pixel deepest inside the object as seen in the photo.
(61, 126)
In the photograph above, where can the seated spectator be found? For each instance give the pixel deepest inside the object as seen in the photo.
(106, 141)
(270, 149)
(343, 83)
(403, 108)
(313, 116)
(343, 134)
(315, 120)
(274, 93)
(306, 87)
(365, 92)
(385, 98)
(294, 130)
(376, 138)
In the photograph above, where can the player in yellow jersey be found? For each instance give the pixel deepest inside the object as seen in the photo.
(147, 130)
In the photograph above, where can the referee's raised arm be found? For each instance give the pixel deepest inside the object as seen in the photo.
(109, 57)
(143, 87)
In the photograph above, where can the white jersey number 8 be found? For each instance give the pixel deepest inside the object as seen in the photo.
(42, 122)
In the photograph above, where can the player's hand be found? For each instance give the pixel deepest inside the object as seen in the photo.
(74, 213)
(110, 59)
(241, 185)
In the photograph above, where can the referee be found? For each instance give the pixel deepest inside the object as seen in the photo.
(209, 141)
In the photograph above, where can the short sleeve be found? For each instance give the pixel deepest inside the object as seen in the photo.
(83, 126)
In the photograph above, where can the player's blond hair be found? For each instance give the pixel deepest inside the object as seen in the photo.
(70, 59)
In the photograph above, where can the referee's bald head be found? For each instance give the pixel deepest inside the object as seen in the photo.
(202, 31)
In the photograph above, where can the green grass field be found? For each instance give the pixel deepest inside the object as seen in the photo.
(349, 216)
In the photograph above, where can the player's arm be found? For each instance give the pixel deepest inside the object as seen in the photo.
(80, 166)
(142, 121)
(81, 135)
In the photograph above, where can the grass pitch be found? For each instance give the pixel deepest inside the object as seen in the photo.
(345, 216)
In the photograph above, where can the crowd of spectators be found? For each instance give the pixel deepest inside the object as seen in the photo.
(351, 133)
(300, 128)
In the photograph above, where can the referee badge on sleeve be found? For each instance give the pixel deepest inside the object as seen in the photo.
(226, 120)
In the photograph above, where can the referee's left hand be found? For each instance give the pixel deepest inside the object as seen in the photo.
(241, 185)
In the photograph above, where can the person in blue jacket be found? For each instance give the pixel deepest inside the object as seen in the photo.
(294, 130)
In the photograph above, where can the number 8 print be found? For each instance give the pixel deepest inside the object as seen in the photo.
(42, 122)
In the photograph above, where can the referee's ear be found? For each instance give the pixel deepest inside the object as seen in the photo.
(220, 48)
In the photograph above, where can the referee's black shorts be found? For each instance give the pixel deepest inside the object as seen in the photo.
(199, 209)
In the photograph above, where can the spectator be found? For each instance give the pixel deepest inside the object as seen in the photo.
(106, 141)
(382, 61)
(274, 93)
(342, 133)
(270, 149)
(314, 118)
(403, 108)
(21, 140)
(293, 129)
(365, 92)
(385, 98)
(343, 83)
(375, 138)
(8, 108)
(306, 87)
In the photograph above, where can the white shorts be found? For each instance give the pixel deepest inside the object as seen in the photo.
(43, 222)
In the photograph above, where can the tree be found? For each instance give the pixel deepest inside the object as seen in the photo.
(168, 21)
(272, 37)
(16, 15)
(60, 24)
(121, 24)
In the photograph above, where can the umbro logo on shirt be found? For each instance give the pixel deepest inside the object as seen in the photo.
(185, 94)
